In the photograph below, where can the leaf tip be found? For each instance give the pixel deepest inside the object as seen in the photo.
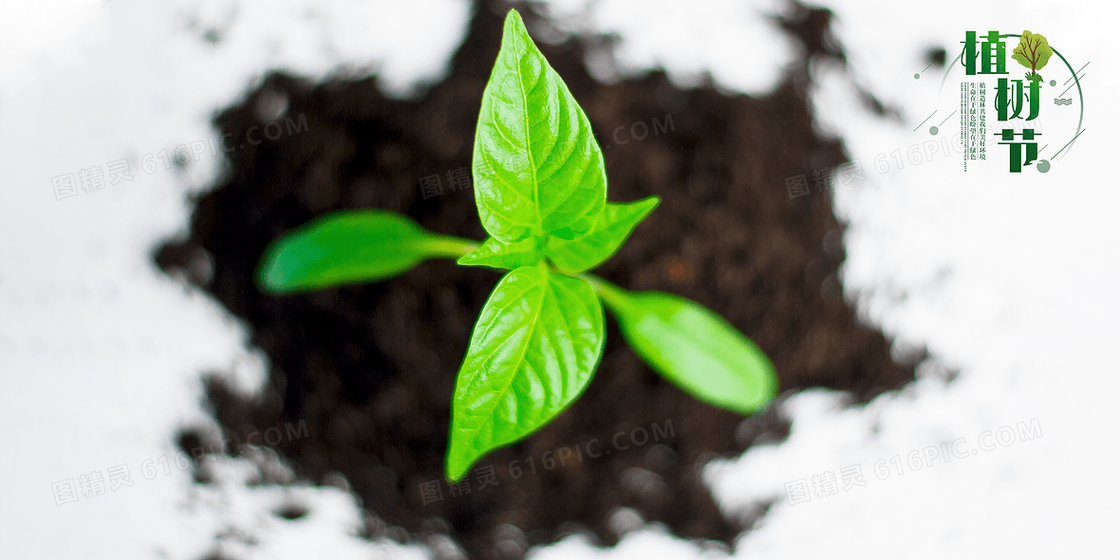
(650, 204)
(513, 18)
(270, 275)
(453, 474)
(514, 26)
(769, 391)
(459, 461)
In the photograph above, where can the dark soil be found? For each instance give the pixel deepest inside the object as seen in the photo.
(371, 369)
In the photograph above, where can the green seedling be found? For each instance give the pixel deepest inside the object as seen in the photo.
(541, 191)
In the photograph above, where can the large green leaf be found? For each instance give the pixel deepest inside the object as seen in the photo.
(533, 350)
(694, 348)
(612, 228)
(494, 253)
(351, 247)
(537, 168)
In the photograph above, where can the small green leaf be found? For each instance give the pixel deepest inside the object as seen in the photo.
(351, 247)
(1033, 51)
(537, 167)
(533, 350)
(694, 348)
(612, 228)
(495, 254)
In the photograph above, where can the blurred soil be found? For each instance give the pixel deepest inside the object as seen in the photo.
(371, 369)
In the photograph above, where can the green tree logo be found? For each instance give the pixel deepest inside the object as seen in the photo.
(1032, 52)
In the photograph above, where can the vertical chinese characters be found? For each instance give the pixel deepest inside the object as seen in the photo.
(987, 55)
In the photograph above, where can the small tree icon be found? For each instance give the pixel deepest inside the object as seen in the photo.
(1033, 52)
